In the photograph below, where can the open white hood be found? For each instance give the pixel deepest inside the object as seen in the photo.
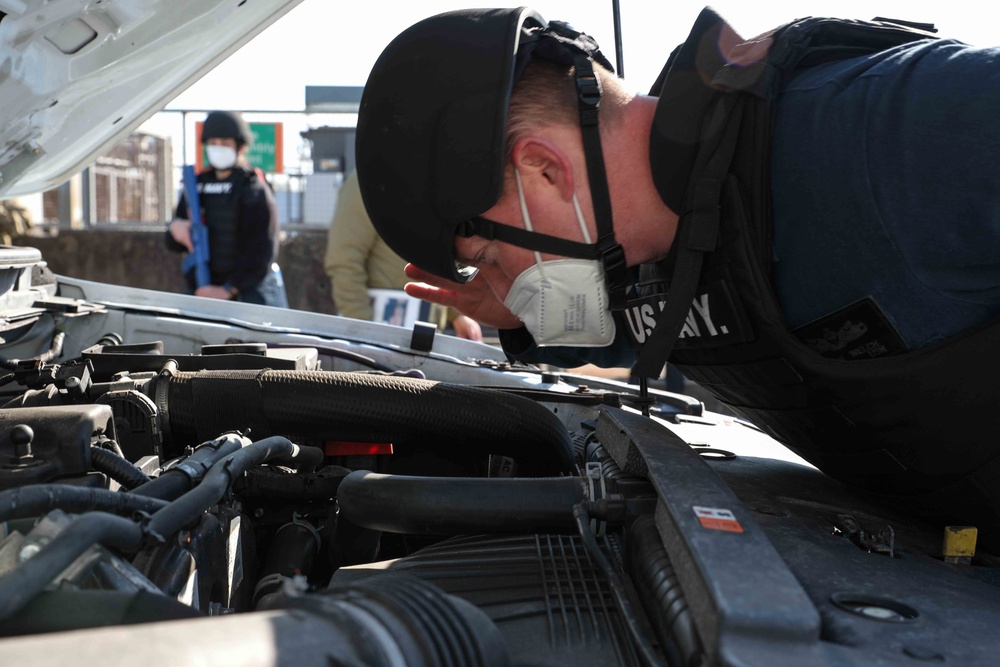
(76, 76)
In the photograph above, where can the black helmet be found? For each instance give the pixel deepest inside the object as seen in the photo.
(431, 135)
(225, 125)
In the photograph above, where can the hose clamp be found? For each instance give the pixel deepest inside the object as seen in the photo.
(596, 490)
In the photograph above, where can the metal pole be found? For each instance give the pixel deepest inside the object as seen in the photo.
(619, 57)
(184, 143)
(88, 192)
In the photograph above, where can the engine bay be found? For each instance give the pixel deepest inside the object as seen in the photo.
(259, 481)
(256, 491)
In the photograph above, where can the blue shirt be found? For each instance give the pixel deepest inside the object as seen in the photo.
(886, 183)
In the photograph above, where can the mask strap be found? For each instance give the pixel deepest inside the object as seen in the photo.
(526, 217)
(579, 218)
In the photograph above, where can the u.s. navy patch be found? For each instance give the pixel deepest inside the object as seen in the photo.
(715, 318)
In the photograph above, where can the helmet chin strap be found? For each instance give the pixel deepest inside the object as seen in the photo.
(560, 43)
(612, 256)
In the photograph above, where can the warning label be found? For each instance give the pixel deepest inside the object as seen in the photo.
(716, 518)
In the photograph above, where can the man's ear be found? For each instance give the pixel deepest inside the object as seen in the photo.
(538, 157)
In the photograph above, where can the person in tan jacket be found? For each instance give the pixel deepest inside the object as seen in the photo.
(357, 259)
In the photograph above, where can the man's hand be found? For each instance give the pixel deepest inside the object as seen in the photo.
(180, 230)
(474, 298)
(468, 328)
(213, 292)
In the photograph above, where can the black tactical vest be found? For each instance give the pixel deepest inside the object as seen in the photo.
(914, 427)
(220, 203)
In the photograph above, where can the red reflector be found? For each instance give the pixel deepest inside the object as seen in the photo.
(339, 448)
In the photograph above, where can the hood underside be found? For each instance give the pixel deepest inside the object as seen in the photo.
(76, 76)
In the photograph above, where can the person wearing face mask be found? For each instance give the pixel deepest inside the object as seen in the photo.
(561, 301)
(805, 223)
(239, 210)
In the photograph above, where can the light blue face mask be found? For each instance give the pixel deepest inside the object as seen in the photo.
(562, 301)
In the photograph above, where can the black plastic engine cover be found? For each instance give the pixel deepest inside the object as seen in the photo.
(551, 603)
(55, 444)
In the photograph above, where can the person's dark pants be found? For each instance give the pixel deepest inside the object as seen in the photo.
(268, 292)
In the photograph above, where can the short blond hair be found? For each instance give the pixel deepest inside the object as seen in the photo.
(546, 96)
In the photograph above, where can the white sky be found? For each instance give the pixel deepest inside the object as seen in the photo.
(335, 42)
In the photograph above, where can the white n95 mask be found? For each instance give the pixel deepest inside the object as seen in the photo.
(221, 157)
(562, 301)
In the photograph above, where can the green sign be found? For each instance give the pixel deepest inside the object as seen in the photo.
(265, 151)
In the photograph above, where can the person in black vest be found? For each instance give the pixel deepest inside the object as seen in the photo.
(821, 200)
(239, 210)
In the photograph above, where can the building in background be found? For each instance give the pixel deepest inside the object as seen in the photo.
(130, 184)
(331, 149)
(332, 157)
(138, 181)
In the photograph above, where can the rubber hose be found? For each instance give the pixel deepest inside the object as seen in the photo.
(32, 501)
(648, 655)
(660, 593)
(178, 480)
(457, 505)
(216, 482)
(111, 445)
(117, 468)
(53, 352)
(388, 620)
(19, 586)
(321, 405)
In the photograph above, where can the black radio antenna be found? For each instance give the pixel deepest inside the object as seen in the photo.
(619, 58)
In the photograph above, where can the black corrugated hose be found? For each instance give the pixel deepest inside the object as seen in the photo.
(362, 407)
(660, 593)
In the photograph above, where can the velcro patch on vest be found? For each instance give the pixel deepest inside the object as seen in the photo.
(715, 318)
(859, 331)
(220, 188)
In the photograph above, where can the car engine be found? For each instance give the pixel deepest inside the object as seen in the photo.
(249, 493)
(148, 495)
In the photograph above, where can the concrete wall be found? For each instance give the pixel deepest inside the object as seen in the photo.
(140, 259)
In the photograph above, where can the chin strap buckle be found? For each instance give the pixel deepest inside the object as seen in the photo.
(615, 275)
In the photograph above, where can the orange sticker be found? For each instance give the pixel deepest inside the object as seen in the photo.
(715, 518)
